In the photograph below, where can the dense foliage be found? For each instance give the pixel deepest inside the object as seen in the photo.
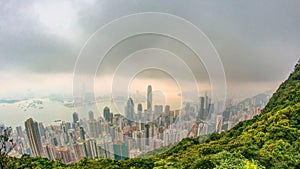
(270, 140)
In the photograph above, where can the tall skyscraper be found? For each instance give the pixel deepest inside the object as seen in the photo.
(211, 109)
(130, 110)
(147, 126)
(166, 115)
(201, 109)
(79, 150)
(50, 151)
(82, 133)
(91, 115)
(106, 114)
(140, 110)
(32, 130)
(65, 154)
(92, 147)
(41, 129)
(203, 129)
(149, 99)
(93, 128)
(75, 117)
(120, 151)
(158, 109)
(219, 123)
(206, 101)
(167, 110)
(19, 131)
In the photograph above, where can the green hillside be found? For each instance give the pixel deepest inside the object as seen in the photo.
(270, 140)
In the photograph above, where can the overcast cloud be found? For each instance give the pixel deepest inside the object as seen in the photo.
(258, 41)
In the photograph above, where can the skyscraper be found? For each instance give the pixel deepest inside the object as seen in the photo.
(32, 130)
(91, 115)
(158, 109)
(147, 126)
(167, 110)
(166, 115)
(75, 117)
(130, 110)
(106, 113)
(79, 150)
(19, 131)
(211, 109)
(206, 101)
(92, 147)
(140, 110)
(93, 128)
(50, 151)
(219, 123)
(65, 154)
(201, 109)
(41, 129)
(149, 99)
(120, 151)
(82, 133)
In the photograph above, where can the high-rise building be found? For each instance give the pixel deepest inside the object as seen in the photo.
(219, 123)
(147, 126)
(130, 110)
(75, 117)
(50, 152)
(201, 109)
(187, 108)
(65, 154)
(106, 113)
(42, 130)
(229, 125)
(111, 117)
(166, 116)
(158, 109)
(140, 110)
(207, 102)
(82, 133)
(20, 131)
(92, 148)
(202, 129)
(120, 151)
(88, 148)
(32, 130)
(202, 104)
(93, 128)
(149, 99)
(79, 149)
(91, 115)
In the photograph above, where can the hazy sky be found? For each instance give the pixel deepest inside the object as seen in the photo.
(258, 41)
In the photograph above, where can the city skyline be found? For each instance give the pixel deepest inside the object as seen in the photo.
(136, 131)
(37, 106)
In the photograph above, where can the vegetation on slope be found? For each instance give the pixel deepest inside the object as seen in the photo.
(270, 140)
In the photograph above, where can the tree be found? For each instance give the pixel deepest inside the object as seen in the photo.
(6, 142)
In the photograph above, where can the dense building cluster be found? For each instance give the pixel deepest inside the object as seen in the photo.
(137, 131)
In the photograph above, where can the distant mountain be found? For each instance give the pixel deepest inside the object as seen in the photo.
(262, 97)
(269, 140)
(10, 101)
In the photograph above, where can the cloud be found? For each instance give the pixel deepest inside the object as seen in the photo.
(40, 36)
(257, 41)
